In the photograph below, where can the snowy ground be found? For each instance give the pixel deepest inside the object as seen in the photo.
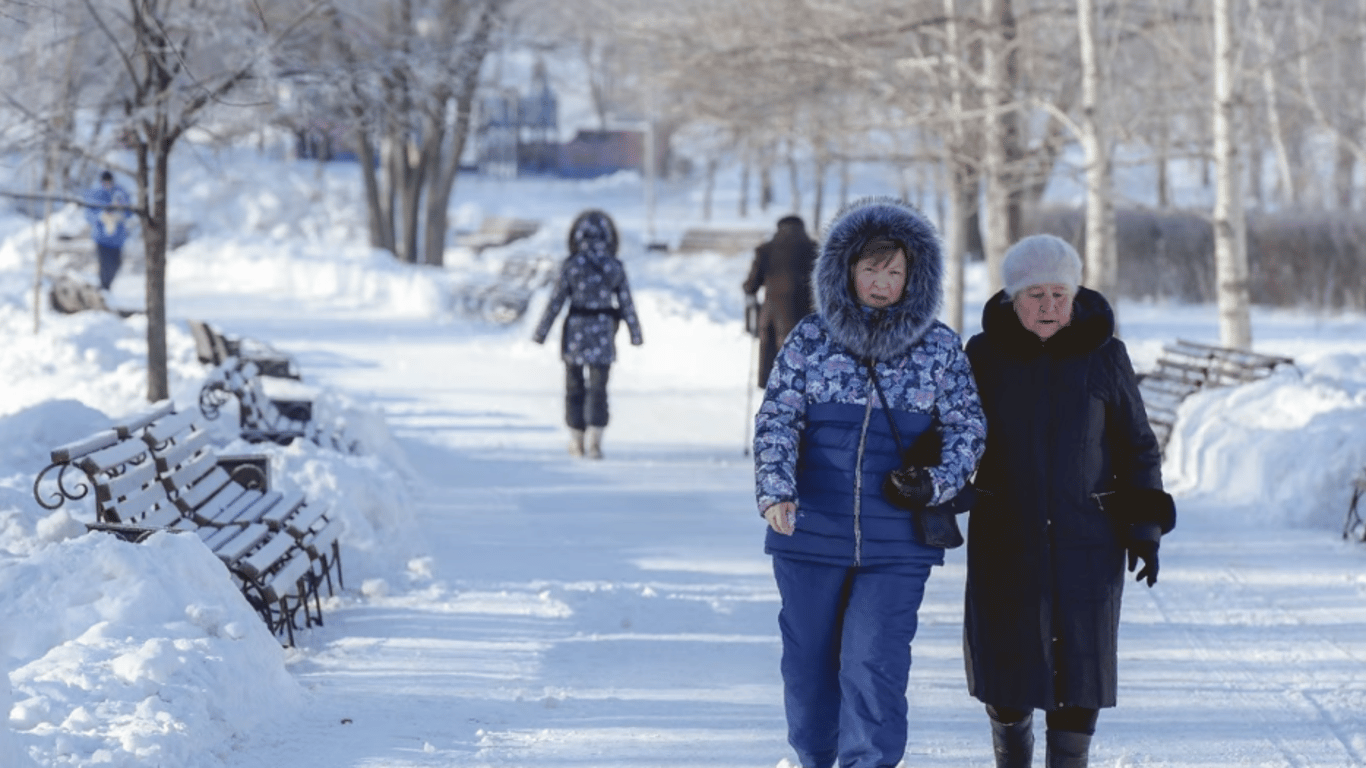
(507, 606)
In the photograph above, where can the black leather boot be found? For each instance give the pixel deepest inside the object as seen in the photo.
(1013, 742)
(1068, 749)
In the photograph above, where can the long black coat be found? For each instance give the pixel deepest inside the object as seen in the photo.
(782, 266)
(1065, 427)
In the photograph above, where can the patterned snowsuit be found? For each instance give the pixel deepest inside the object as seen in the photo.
(852, 574)
(593, 281)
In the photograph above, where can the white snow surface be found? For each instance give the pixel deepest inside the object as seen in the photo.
(505, 605)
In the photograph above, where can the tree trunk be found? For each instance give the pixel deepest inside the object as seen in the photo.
(1102, 269)
(380, 224)
(1284, 176)
(962, 201)
(1230, 251)
(709, 188)
(156, 152)
(436, 197)
(997, 237)
(819, 181)
(743, 209)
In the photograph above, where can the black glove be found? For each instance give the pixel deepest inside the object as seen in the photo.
(1143, 545)
(908, 487)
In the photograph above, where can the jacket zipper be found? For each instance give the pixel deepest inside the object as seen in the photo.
(858, 482)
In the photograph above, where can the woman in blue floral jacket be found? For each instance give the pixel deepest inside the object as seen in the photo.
(848, 563)
(593, 282)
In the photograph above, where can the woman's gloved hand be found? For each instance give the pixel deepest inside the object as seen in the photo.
(1143, 546)
(909, 487)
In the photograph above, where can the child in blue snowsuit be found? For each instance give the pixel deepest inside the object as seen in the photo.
(849, 566)
(108, 226)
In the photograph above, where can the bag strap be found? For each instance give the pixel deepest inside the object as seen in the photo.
(877, 384)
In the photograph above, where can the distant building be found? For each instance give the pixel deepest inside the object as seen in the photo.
(599, 153)
(517, 135)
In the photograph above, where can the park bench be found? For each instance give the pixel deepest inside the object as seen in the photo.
(70, 295)
(263, 417)
(1185, 367)
(505, 299)
(495, 231)
(725, 241)
(160, 471)
(213, 347)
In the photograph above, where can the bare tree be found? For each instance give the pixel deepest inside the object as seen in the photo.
(165, 66)
(1230, 239)
(1102, 261)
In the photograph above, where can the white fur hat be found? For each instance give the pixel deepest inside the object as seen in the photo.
(1041, 260)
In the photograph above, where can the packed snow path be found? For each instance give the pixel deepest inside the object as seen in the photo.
(621, 613)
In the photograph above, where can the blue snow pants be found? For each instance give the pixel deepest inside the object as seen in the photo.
(847, 659)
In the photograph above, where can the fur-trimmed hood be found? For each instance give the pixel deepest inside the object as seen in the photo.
(886, 333)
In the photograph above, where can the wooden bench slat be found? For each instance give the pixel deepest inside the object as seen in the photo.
(246, 539)
(74, 450)
(265, 557)
(283, 508)
(319, 543)
(115, 455)
(128, 426)
(284, 581)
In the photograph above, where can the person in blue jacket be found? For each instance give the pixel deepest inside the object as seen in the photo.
(848, 563)
(108, 225)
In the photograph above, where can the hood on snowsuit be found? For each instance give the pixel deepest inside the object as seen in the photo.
(885, 333)
(593, 232)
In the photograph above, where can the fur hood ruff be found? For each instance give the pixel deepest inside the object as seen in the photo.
(888, 333)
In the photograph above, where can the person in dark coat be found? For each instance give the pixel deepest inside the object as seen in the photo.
(593, 281)
(1070, 481)
(849, 565)
(782, 267)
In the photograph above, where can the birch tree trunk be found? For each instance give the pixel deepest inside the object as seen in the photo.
(1101, 263)
(996, 237)
(1285, 177)
(962, 186)
(1230, 247)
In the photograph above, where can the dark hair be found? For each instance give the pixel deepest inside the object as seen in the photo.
(881, 250)
(106, 176)
(792, 219)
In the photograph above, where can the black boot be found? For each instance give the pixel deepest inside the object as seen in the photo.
(1068, 749)
(1013, 742)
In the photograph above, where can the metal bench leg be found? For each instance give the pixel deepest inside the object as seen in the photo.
(1353, 516)
(336, 559)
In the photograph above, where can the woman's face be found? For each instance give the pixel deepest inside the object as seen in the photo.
(880, 285)
(1044, 309)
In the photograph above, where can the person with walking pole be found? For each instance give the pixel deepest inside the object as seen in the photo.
(782, 267)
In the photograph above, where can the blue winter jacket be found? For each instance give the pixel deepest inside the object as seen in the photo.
(822, 437)
(108, 226)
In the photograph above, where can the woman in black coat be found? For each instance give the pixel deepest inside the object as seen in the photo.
(1070, 480)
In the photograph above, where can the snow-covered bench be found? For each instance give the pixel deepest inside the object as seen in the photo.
(213, 348)
(1185, 367)
(263, 417)
(159, 471)
(727, 242)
